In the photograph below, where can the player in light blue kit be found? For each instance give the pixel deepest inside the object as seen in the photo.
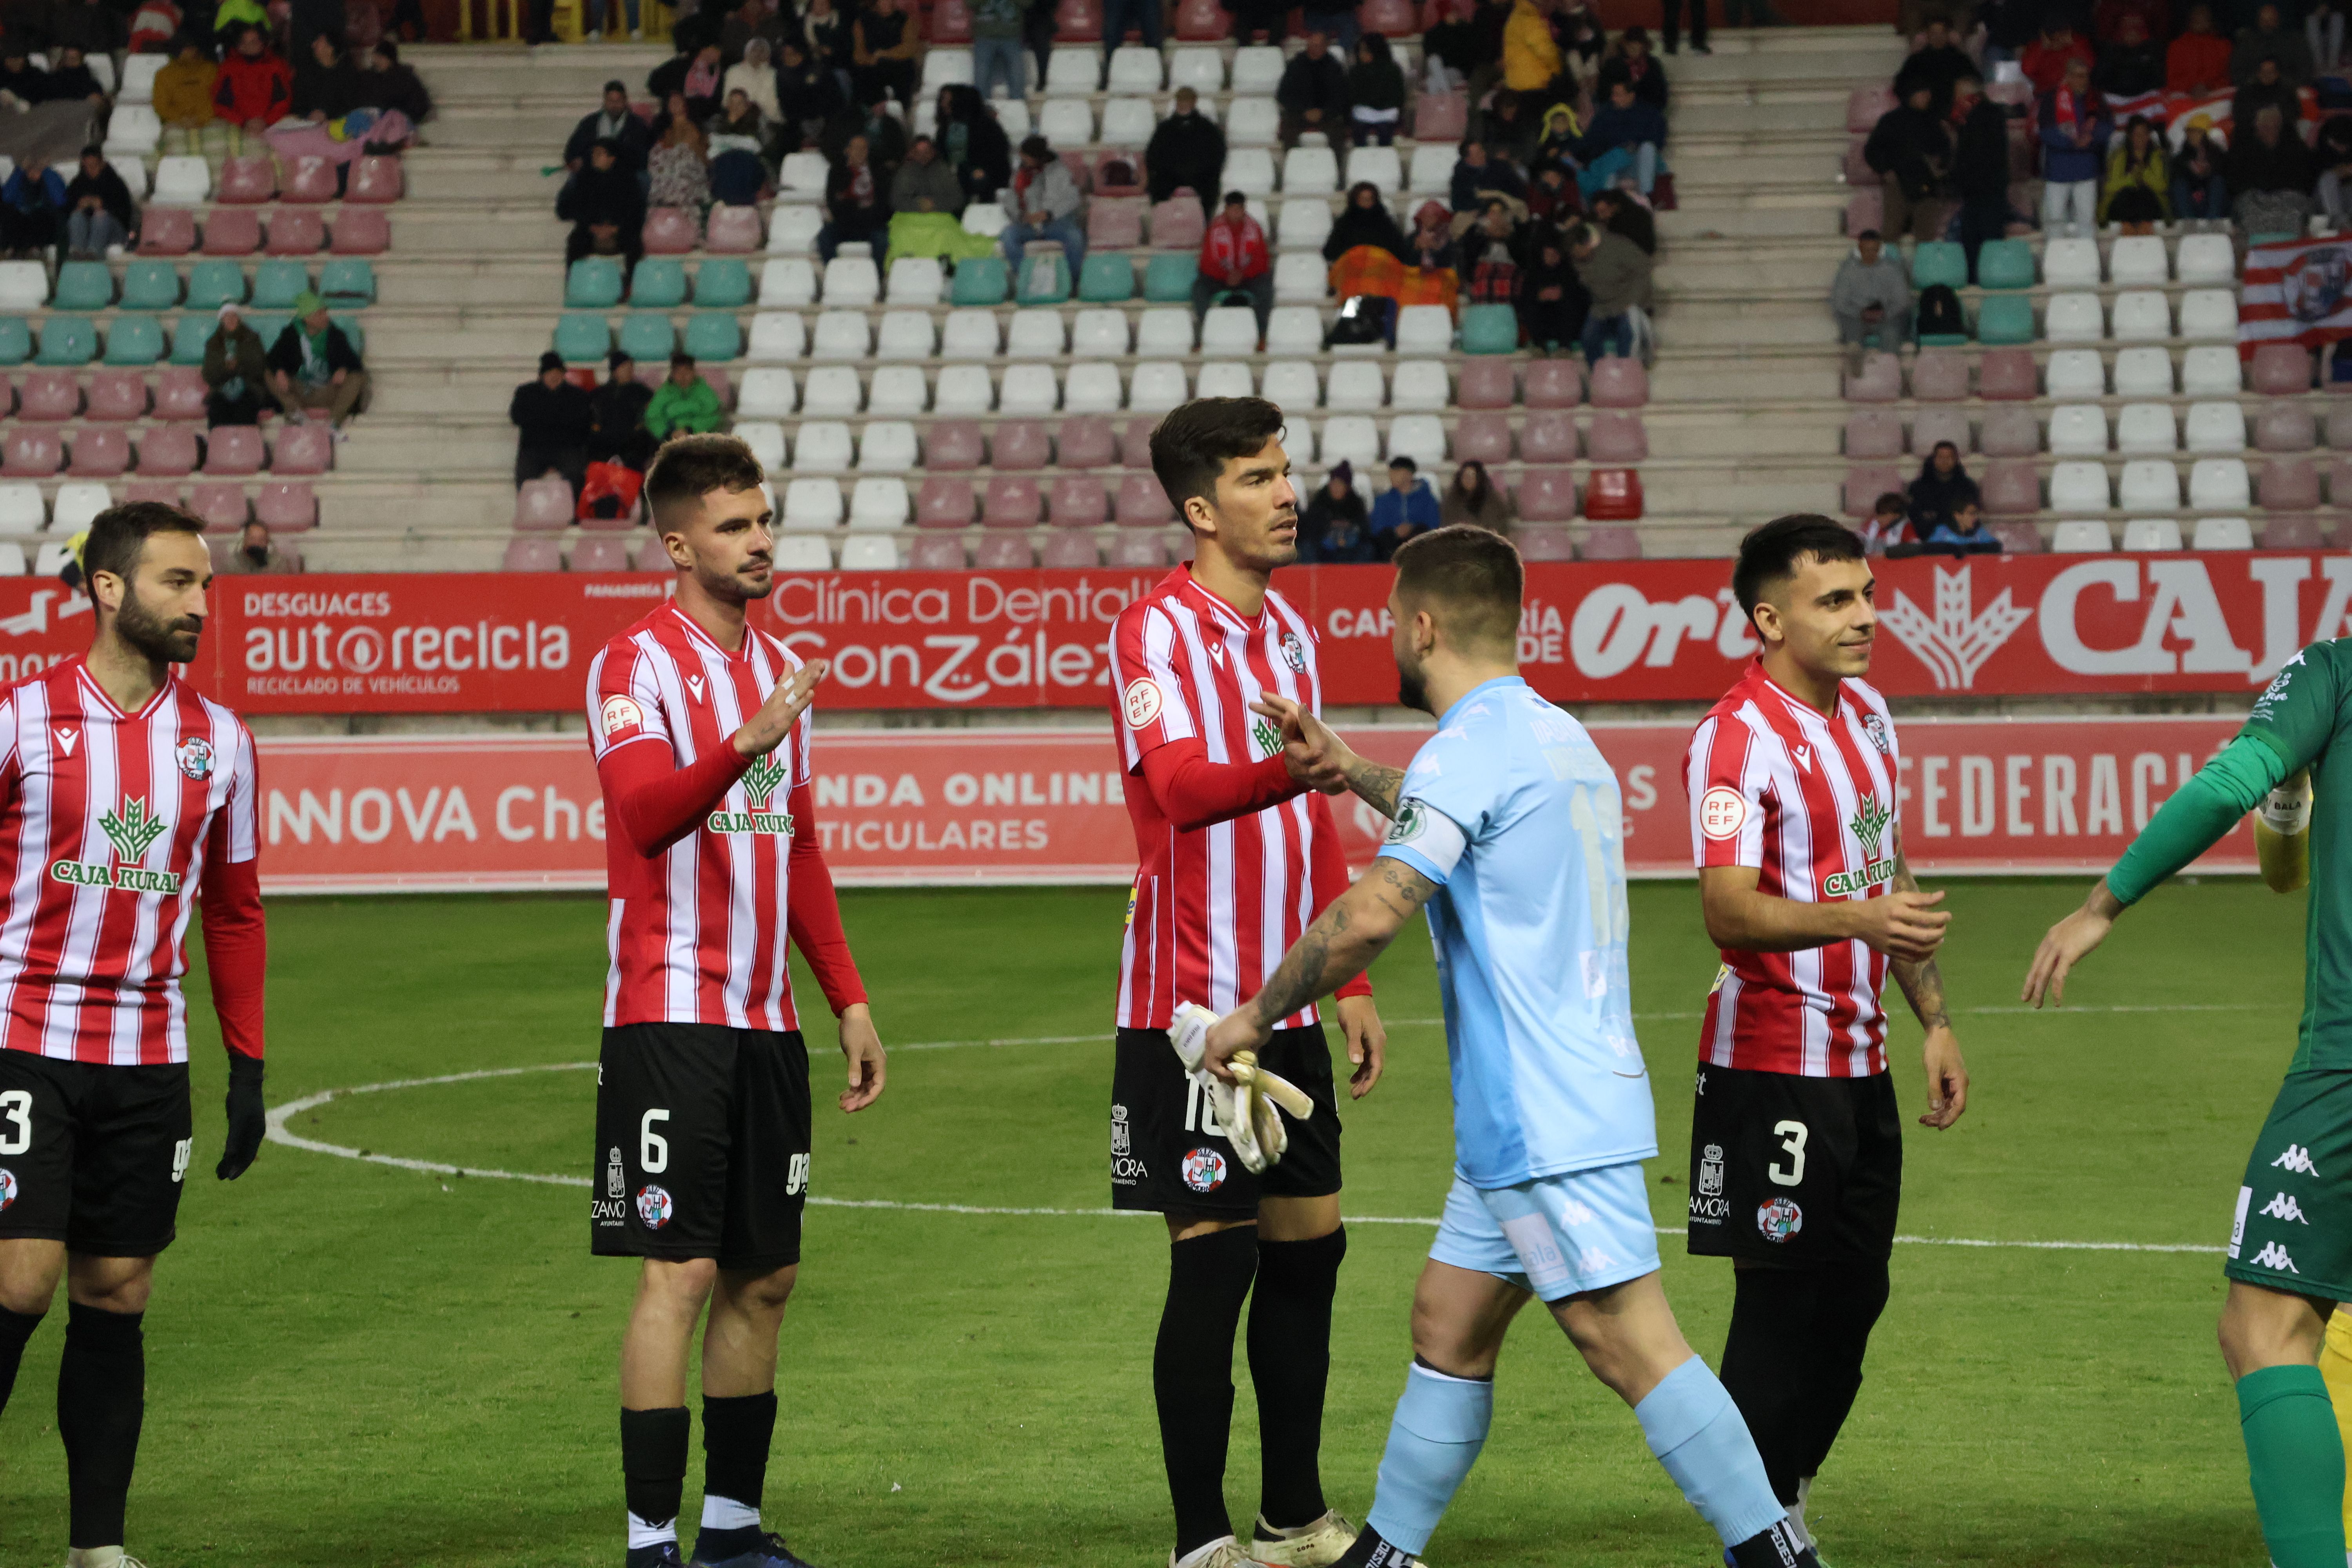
(1507, 827)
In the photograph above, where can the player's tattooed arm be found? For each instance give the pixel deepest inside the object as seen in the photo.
(1375, 785)
(1319, 757)
(1922, 985)
(1922, 982)
(1355, 929)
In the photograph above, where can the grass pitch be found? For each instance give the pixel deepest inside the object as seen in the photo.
(354, 1365)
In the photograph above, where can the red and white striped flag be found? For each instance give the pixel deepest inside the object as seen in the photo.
(2296, 291)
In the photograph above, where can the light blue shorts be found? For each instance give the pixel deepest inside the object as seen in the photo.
(1557, 1235)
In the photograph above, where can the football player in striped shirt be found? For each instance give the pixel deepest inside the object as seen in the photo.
(1796, 1143)
(126, 800)
(702, 728)
(1238, 853)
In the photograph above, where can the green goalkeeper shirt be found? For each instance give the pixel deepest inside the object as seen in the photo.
(2302, 720)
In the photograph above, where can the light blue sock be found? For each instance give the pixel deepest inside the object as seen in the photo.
(1698, 1435)
(1441, 1424)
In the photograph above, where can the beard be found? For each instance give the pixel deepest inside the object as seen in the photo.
(165, 641)
(1412, 689)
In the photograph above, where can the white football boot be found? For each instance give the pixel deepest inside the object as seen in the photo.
(1310, 1546)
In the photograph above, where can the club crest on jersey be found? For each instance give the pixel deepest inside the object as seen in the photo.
(1294, 652)
(7, 1188)
(132, 830)
(1204, 1170)
(1779, 1219)
(1869, 828)
(195, 756)
(761, 783)
(1875, 728)
(654, 1207)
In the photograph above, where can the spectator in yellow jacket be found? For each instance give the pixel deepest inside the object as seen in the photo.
(1530, 55)
(183, 94)
(2138, 185)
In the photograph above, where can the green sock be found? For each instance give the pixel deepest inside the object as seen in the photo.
(2296, 1455)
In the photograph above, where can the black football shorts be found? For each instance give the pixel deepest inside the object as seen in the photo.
(702, 1144)
(1167, 1154)
(91, 1154)
(1794, 1171)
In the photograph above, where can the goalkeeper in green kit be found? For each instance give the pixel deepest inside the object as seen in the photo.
(2291, 1245)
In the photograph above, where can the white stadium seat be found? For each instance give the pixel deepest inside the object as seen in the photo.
(1424, 329)
(765, 393)
(899, 392)
(1292, 384)
(832, 393)
(1294, 329)
(788, 283)
(869, 553)
(1311, 172)
(1158, 385)
(1201, 69)
(1380, 165)
(1224, 378)
(1092, 388)
(944, 66)
(2142, 315)
(2071, 264)
(970, 333)
(1305, 225)
(24, 285)
(2219, 484)
(1420, 437)
(1135, 67)
(841, 334)
(1127, 123)
(2076, 373)
(1252, 122)
(812, 503)
(1100, 334)
(1300, 278)
(2146, 430)
(78, 506)
(879, 503)
(2143, 373)
(1358, 387)
(986, 219)
(2078, 487)
(132, 131)
(1257, 67)
(20, 508)
(906, 334)
(1072, 70)
(802, 553)
(1354, 439)
(2139, 261)
(1036, 333)
(2080, 539)
(766, 440)
(793, 228)
(2223, 533)
(1029, 391)
(1229, 330)
(1249, 170)
(886, 446)
(1421, 383)
(182, 181)
(2151, 484)
(2144, 533)
(777, 337)
(2072, 318)
(2206, 258)
(823, 447)
(803, 173)
(2213, 428)
(917, 281)
(138, 78)
(1432, 168)
(963, 390)
(2211, 370)
(2207, 313)
(1164, 329)
(2078, 430)
(1066, 121)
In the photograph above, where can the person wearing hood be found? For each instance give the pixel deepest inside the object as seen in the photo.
(617, 432)
(1375, 92)
(1478, 174)
(326, 84)
(2074, 125)
(99, 214)
(1431, 245)
(2200, 185)
(1334, 525)
(1043, 202)
(1942, 487)
(314, 367)
(1910, 150)
(1187, 150)
(2270, 39)
(972, 143)
(613, 123)
(387, 85)
(1408, 506)
(1625, 135)
(32, 208)
(1871, 298)
(1234, 259)
(606, 205)
(754, 75)
(236, 371)
(1366, 220)
(555, 425)
(1553, 303)
(1475, 500)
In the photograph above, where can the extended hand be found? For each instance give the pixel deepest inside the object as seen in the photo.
(1906, 926)
(1947, 1078)
(1368, 1042)
(247, 1121)
(863, 1046)
(766, 730)
(1314, 755)
(2067, 944)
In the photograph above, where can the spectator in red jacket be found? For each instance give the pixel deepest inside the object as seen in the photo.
(254, 89)
(2045, 59)
(2198, 60)
(1234, 259)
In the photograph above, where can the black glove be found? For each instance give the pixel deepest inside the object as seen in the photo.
(247, 1119)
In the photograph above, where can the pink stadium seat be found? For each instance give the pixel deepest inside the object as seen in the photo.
(247, 182)
(1441, 116)
(1619, 381)
(1011, 503)
(1082, 170)
(952, 446)
(233, 449)
(1483, 437)
(1938, 375)
(1001, 552)
(1858, 171)
(1397, 18)
(716, 376)
(1617, 437)
(1864, 483)
(362, 231)
(2018, 538)
(296, 231)
(2008, 373)
(1020, 445)
(1546, 495)
(525, 554)
(1544, 544)
(1135, 443)
(651, 557)
(2282, 370)
(544, 505)
(49, 395)
(2288, 484)
(2292, 533)
(2010, 432)
(1065, 551)
(1143, 552)
(232, 231)
(1930, 426)
(1551, 382)
(168, 453)
(1613, 545)
(30, 454)
(1881, 380)
(303, 449)
(1549, 437)
(1865, 210)
(1873, 434)
(1487, 380)
(668, 232)
(1613, 495)
(1078, 22)
(1107, 184)
(310, 179)
(118, 395)
(2011, 487)
(179, 393)
(167, 231)
(943, 503)
(2339, 427)
(732, 231)
(7, 397)
(951, 22)
(1177, 224)
(1864, 106)
(1142, 503)
(2285, 426)
(1115, 222)
(376, 179)
(1086, 441)
(600, 553)
(938, 553)
(1081, 501)
(222, 505)
(100, 452)
(1203, 22)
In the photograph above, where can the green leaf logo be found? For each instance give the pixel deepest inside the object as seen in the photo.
(761, 780)
(1269, 741)
(133, 829)
(1869, 824)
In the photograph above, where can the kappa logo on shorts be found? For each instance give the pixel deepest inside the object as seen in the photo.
(7, 1187)
(654, 1207)
(1779, 1219)
(2272, 1256)
(2295, 1162)
(1204, 1170)
(2285, 1207)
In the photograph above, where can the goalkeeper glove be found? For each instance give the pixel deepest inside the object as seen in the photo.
(247, 1121)
(1245, 1109)
(2282, 835)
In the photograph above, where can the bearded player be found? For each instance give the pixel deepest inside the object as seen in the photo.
(125, 800)
(2290, 1261)
(1796, 1142)
(701, 731)
(1237, 853)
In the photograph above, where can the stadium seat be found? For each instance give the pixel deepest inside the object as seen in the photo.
(222, 505)
(595, 553)
(1432, 169)
(886, 446)
(659, 284)
(879, 502)
(792, 227)
(2079, 538)
(1085, 441)
(1546, 495)
(293, 231)
(823, 447)
(20, 508)
(1378, 166)
(1873, 434)
(84, 285)
(2008, 264)
(2223, 533)
(2009, 432)
(1258, 69)
(1311, 171)
(361, 231)
(168, 231)
(2074, 487)
(766, 394)
(1041, 334)
(1069, 121)
(713, 337)
(2209, 313)
(1029, 389)
(1249, 170)
(1881, 377)
(2280, 370)
(2285, 426)
(2206, 258)
(963, 389)
(906, 335)
(1156, 387)
(1427, 330)
(787, 283)
(1930, 426)
(374, 180)
(2151, 534)
(2285, 484)
(139, 71)
(1177, 223)
(980, 280)
(24, 285)
(2067, 263)
(233, 451)
(2076, 373)
(1619, 381)
(1441, 116)
(49, 396)
(1613, 495)
(1864, 484)
(345, 280)
(2011, 487)
(1010, 502)
(77, 505)
(813, 503)
(1135, 551)
(2215, 427)
(1103, 333)
(1092, 388)
(2138, 261)
(2143, 315)
(151, 285)
(2066, 319)
(1004, 552)
(543, 504)
(1065, 552)
(2146, 430)
(118, 395)
(669, 231)
(1295, 385)
(723, 283)
(100, 452)
(1203, 70)
(1300, 278)
(1422, 437)
(1127, 123)
(527, 553)
(1135, 68)
(1549, 436)
(1420, 386)
(1039, 283)
(302, 449)
(1619, 437)
(593, 283)
(2145, 373)
(2078, 430)
(1483, 437)
(1939, 261)
(1142, 503)
(2287, 533)
(1353, 438)
(309, 180)
(2211, 370)
(851, 282)
(1304, 226)
(840, 334)
(167, 453)
(179, 393)
(2149, 484)
(649, 339)
(68, 340)
(1357, 388)
(1488, 384)
(2007, 374)
(833, 392)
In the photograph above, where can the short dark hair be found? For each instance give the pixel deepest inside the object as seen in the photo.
(680, 357)
(1870, 234)
(689, 468)
(1890, 500)
(1197, 439)
(617, 85)
(1474, 572)
(1036, 147)
(117, 535)
(1770, 554)
(1403, 460)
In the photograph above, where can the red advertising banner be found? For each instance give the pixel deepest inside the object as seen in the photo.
(940, 807)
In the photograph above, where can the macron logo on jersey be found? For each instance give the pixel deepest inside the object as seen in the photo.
(66, 739)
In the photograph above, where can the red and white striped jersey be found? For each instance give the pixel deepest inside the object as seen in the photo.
(1810, 803)
(697, 931)
(1212, 911)
(107, 821)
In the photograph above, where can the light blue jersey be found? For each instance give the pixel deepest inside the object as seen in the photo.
(1513, 812)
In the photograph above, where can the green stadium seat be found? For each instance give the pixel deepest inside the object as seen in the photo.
(83, 286)
(583, 340)
(594, 284)
(2002, 319)
(69, 340)
(348, 278)
(134, 340)
(980, 280)
(1939, 261)
(15, 340)
(2005, 263)
(277, 283)
(659, 284)
(269, 327)
(189, 335)
(713, 336)
(1167, 280)
(1489, 330)
(1107, 279)
(1056, 292)
(210, 285)
(724, 283)
(151, 286)
(646, 338)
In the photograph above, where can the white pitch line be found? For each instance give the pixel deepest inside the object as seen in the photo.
(280, 1133)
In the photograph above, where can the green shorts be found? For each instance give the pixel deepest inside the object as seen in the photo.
(2294, 1229)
